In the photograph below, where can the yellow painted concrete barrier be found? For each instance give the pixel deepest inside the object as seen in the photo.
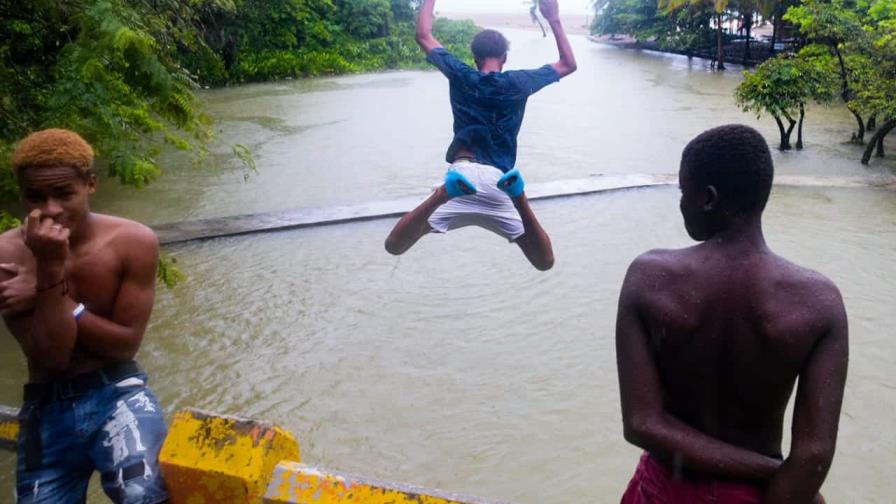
(213, 459)
(295, 483)
(9, 427)
(209, 459)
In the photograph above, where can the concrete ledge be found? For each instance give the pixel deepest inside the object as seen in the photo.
(208, 458)
(9, 427)
(213, 459)
(295, 483)
(178, 232)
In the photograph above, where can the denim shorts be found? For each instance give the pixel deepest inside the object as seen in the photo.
(116, 428)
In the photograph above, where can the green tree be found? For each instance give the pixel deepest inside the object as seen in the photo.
(106, 69)
(836, 26)
(876, 93)
(719, 8)
(684, 30)
(365, 19)
(781, 87)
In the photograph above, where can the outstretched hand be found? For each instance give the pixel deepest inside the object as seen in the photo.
(549, 9)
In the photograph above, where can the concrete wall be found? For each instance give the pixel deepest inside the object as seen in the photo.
(213, 459)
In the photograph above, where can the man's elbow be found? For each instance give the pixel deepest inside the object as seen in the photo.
(565, 68)
(639, 430)
(128, 350)
(816, 457)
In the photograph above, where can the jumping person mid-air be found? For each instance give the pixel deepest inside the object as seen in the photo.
(77, 290)
(710, 340)
(482, 186)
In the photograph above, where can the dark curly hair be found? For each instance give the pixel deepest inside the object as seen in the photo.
(489, 44)
(735, 159)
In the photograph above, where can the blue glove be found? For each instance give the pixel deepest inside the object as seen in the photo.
(458, 185)
(512, 183)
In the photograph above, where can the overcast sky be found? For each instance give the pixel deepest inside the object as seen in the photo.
(567, 6)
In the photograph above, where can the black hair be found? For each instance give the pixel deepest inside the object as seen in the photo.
(735, 159)
(489, 44)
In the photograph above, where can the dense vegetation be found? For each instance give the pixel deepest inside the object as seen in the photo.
(838, 51)
(847, 53)
(123, 72)
(688, 26)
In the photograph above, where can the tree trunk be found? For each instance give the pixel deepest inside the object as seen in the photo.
(846, 96)
(720, 52)
(785, 132)
(859, 137)
(771, 48)
(792, 124)
(799, 131)
(877, 141)
(776, 17)
(748, 25)
(872, 123)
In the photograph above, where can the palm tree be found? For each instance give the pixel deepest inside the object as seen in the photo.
(719, 7)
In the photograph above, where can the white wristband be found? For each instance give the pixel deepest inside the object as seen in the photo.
(78, 311)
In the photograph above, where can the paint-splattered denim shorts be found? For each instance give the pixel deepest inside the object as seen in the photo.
(116, 428)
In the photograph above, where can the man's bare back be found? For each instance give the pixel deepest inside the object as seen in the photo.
(730, 334)
(711, 339)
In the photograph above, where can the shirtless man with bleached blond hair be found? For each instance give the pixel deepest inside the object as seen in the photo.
(76, 291)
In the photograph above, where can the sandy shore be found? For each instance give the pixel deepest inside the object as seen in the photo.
(574, 24)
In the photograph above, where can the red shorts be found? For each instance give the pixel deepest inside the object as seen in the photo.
(653, 483)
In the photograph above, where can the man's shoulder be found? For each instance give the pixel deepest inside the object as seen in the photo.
(661, 261)
(532, 79)
(447, 61)
(12, 245)
(811, 285)
(119, 230)
(656, 271)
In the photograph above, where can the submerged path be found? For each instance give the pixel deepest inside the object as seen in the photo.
(179, 232)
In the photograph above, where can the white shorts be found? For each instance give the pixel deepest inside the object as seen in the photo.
(490, 208)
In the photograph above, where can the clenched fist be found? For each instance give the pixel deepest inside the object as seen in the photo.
(549, 9)
(47, 239)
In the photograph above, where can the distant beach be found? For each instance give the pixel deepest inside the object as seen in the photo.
(574, 24)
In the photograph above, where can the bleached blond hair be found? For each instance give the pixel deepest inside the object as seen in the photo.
(51, 148)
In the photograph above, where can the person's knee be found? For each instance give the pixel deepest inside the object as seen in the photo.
(394, 247)
(544, 263)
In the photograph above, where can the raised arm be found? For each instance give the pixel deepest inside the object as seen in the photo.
(816, 414)
(567, 64)
(425, 39)
(646, 423)
(119, 337)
